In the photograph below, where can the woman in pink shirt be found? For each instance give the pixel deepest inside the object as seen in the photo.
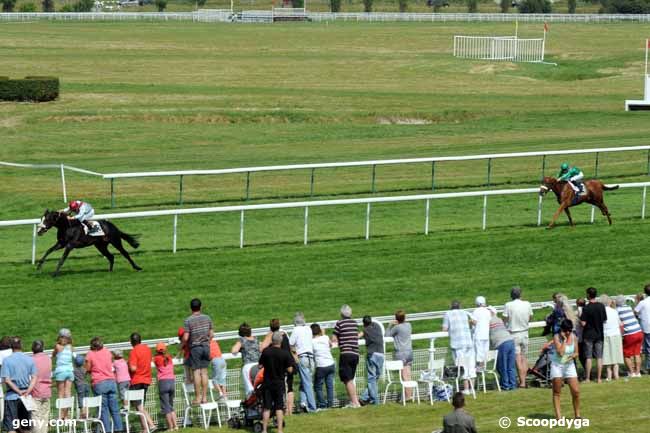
(99, 364)
(42, 391)
(166, 384)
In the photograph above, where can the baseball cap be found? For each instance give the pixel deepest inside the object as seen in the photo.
(161, 347)
(65, 332)
(181, 332)
(480, 300)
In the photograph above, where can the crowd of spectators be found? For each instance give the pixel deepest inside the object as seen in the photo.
(601, 328)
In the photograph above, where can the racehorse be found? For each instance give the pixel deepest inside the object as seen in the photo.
(70, 235)
(566, 197)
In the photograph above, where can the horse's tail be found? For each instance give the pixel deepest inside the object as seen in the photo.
(131, 239)
(610, 187)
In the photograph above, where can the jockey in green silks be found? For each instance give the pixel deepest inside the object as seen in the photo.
(573, 175)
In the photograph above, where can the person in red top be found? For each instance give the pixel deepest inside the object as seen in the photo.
(166, 384)
(140, 369)
(184, 354)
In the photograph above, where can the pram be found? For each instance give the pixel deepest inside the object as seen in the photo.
(250, 411)
(542, 369)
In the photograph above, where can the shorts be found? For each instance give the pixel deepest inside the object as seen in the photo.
(219, 371)
(348, 366)
(482, 347)
(563, 371)
(14, 410)
(122, 388)
(593, 349)
(273, 396)
(290, 382)
(632, 344)
(466, 355)
(166, 391)
(521, 342)
(199, 357)
(613, 350)
(63, 375)
(139, 386)
(406, 357)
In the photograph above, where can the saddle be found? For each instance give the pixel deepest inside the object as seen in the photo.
(93, 228)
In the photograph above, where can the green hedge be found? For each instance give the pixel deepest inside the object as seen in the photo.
(36, 89)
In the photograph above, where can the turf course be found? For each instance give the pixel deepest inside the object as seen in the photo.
(154, 96)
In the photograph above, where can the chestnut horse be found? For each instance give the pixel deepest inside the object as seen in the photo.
(566, 197)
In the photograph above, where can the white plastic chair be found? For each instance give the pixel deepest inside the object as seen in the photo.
(206, 408)
(87, 404)
(437, 371)
(399, 366)
(137, 397)
(2, 402)
(461, 366)
(65, 404)
(491, 357)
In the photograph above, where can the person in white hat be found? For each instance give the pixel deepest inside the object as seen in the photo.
(481, 315)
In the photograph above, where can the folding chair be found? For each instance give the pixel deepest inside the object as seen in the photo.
(87, 404)
(436, 373)
(491, 357)
(461, 365)
(2, 402)
(206, 408)
(399, 366)
(137, 397)
(63, 404)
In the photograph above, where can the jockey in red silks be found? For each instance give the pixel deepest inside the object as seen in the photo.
(84, 212)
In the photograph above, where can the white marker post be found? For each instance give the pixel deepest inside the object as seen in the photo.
(637, 105)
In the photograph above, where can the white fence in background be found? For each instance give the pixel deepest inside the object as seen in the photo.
(306, 205)
(507, 48)
(329, 16)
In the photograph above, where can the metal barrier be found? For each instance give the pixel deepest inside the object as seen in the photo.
(508, 48)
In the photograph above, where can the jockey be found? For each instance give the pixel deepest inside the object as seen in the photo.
(573, 175)
(84, 212)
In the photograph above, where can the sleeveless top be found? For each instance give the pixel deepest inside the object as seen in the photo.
(64, 361)
(569, 350)
(250, 350)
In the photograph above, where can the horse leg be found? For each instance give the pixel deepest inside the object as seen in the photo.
(56, 246)
(568, 214)
(118, 246)
(103, 248)
(557, 215)
(68, 248)
(605, 212)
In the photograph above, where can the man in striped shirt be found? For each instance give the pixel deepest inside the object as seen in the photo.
(632, 337)
(346, 337)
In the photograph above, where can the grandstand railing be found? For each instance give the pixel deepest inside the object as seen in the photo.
(368, 201)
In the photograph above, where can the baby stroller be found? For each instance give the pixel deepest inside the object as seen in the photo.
(542, 369)
(250, 411)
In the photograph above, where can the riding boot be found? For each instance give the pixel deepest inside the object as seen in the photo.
(89, 227)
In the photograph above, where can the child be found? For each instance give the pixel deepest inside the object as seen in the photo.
(64, 371)
(80, 384)
(122, 376)
(166, 384)
(184, 355)
(218, 369)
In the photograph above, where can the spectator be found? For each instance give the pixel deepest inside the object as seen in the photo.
(301, 342)
(5, 348)
(42, 391)
(458, 421)
(250, 351)
(218, 369)
(481, 317)
(184, 355)
(593, 318)
(580, 304)
(122, 376)
(19, 375)
(325, 367)
(613, 341)
(276, 363)
(346, 337)
(503, 342)
(198, 333)
(517, 315)
(99, 364)
(632, 337)
(373, 335)
(166, 384)
(642, 310)
(140, 369)
(80, 383)
(401, 333)
(563, 367)
(457, 322)
(64, 371)
(274, 325)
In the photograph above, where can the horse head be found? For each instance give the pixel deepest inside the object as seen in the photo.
(548, 184)
(49, 219)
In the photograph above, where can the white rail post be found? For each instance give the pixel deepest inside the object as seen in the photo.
(484, 211)
(241, 230)
(34, 234)
(65, 192)
(306, 224)
(368, 221)
(539, 211)
(643, 204)
(174, 236)
(426, 219)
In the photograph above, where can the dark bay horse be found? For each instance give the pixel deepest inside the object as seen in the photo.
(566, 197)
(70, 235)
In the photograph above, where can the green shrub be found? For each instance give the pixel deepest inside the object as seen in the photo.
(48, 5)
(367, 5)
(505, 6)
(571, 6)
(27, 7)
(403, 5)
(8, 5)
(201, 2)
(472, 6)
(161, 5)
(36, 89)
(297, 3)
(83, 6)
(535, 7)
(335, 5)
(626, 6)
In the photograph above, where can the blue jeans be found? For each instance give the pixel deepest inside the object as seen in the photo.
(325, 375)
(374, 366)
(108, 390)
(306, 372)
(506, 365)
